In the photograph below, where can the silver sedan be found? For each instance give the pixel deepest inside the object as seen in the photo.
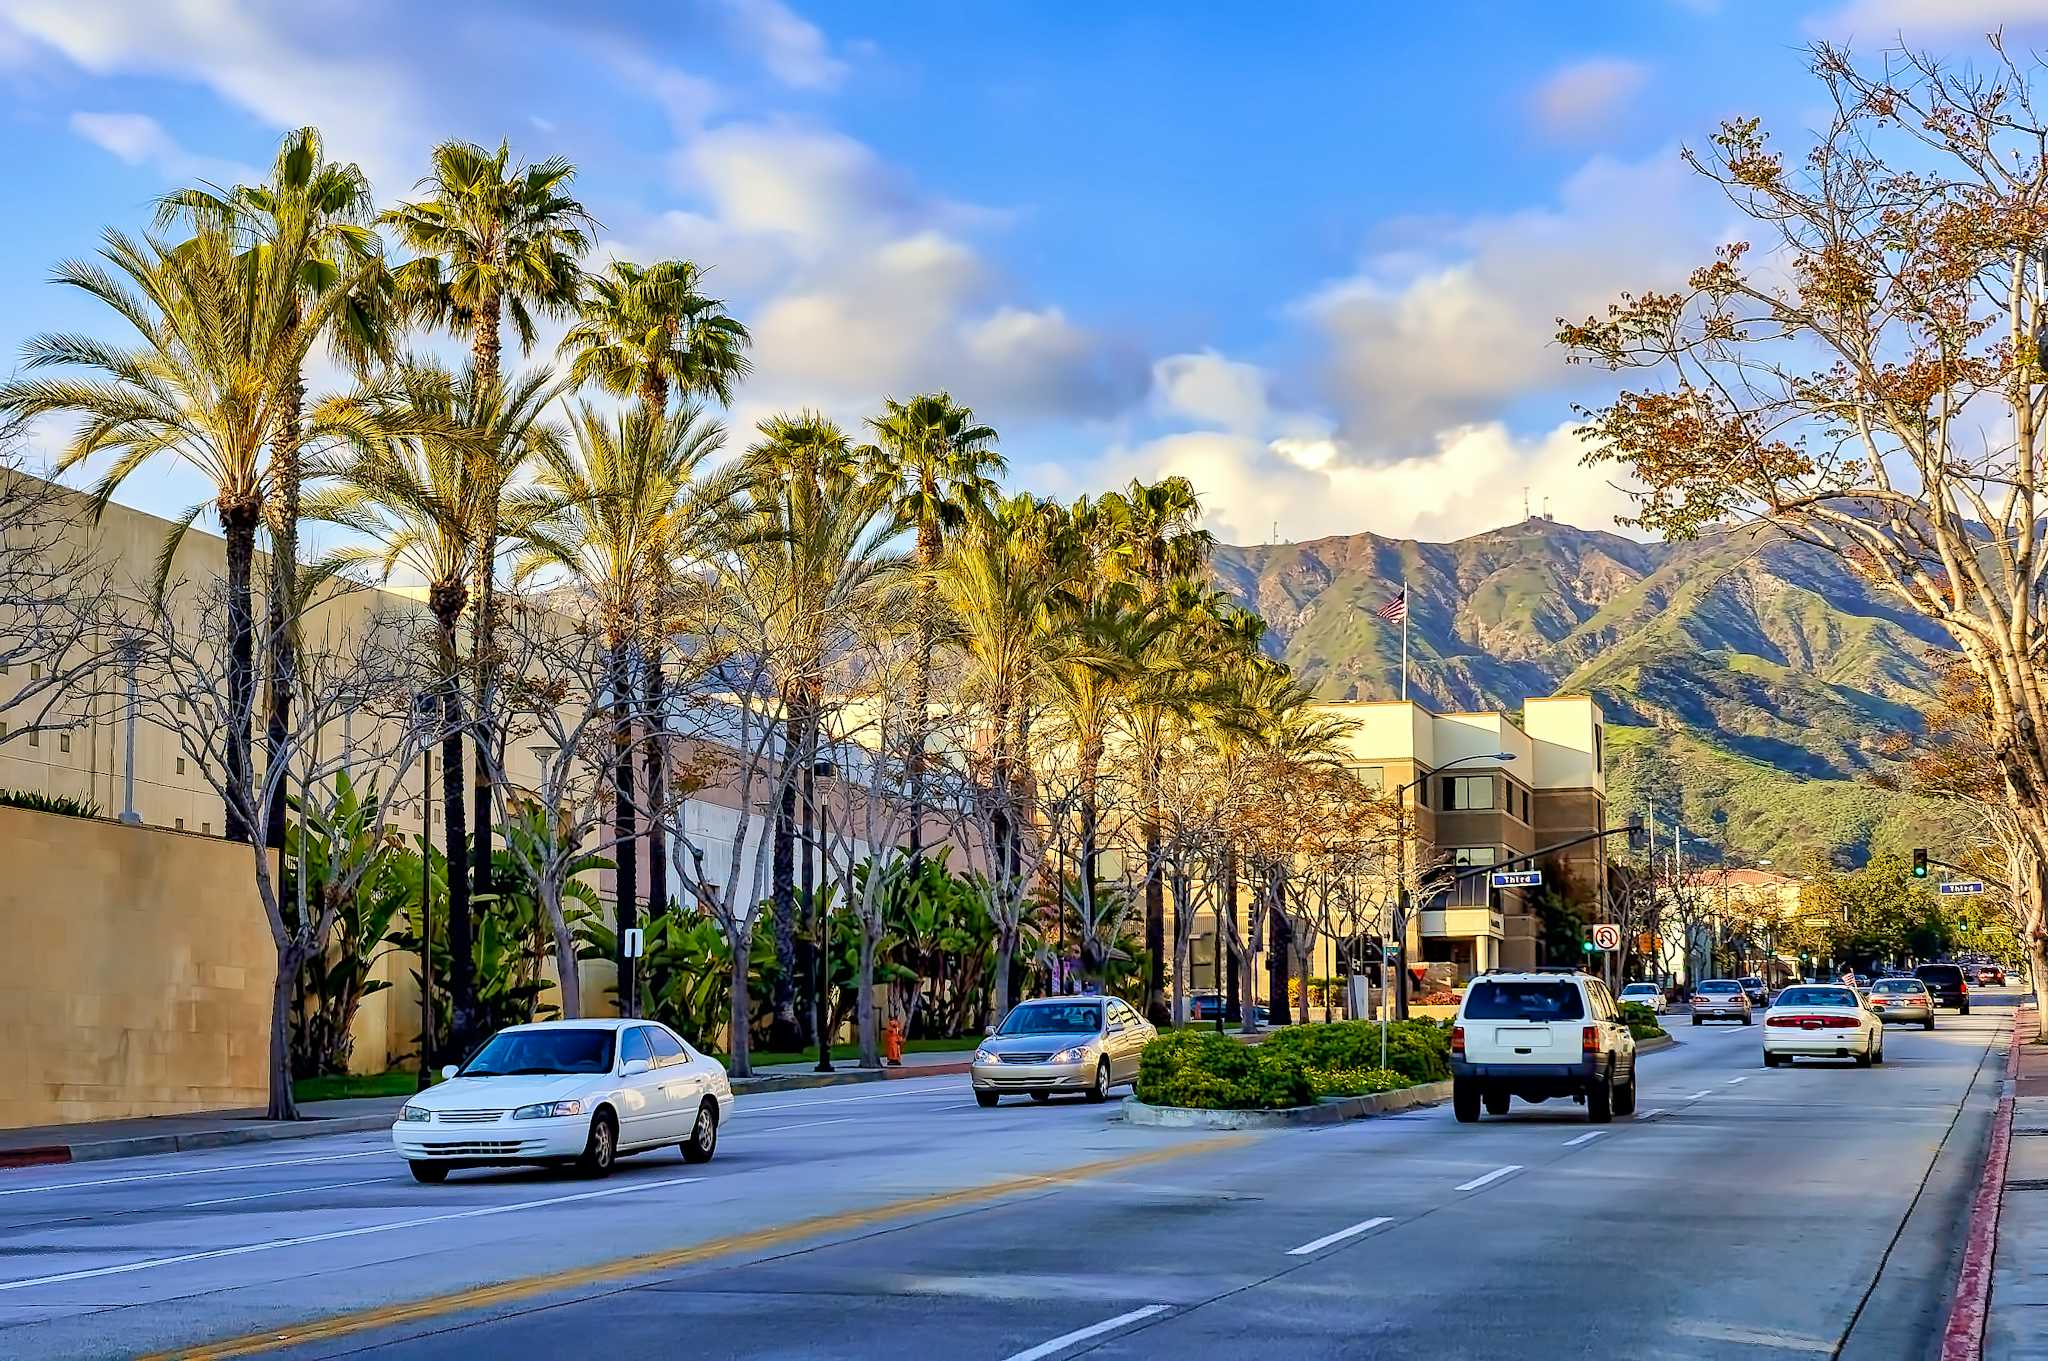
(1898, 1000)
(1061, 1044)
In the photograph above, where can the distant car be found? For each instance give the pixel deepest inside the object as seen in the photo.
(1647, 994)
(1754, 989)
(1822, 1021)
(1204, 1006)
(1539, 1034)
(1060, 1044)
(1720, 999)
(1991, 975)
(1947, 984)
(1902, 999)
(581, 1092)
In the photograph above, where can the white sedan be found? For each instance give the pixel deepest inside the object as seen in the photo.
(1649, 994)
(579, 1092)
(1822, 1021)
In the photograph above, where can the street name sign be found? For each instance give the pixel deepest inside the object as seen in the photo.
(1961, 886)
(1517, 878)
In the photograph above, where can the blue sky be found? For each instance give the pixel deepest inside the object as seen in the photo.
(1307, 254)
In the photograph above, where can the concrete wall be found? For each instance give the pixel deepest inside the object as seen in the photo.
(143, 972)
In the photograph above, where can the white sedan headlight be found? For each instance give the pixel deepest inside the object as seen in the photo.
(985, 1056)
(415, 1114)
(542, 1110)
(1073, 1055)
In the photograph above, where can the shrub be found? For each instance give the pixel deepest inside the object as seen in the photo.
(1203, 1069)
(1442, 997)
(1635, 1013)
(1645, 1032)
(1355, 1081)
(49, 803)
(1419, 1050)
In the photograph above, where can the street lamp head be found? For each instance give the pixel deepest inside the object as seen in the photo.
(1503, 756)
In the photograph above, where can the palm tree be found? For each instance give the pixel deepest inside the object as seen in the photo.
(432, 485)
(319, 212)
(630, 506)
(212, 382)
(941, 467)
(994, 584)
(649, 332)
(490, 240)
(1157, 544)
(811, 549)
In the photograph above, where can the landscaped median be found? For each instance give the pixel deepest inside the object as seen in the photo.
(1306, 1075)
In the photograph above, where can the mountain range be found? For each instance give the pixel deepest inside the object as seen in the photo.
(1751, 681)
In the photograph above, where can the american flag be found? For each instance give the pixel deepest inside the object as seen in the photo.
(1395, 610)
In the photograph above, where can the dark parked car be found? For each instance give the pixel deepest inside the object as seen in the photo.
(1947, 984)
(1204, 1006)
(1754, 989)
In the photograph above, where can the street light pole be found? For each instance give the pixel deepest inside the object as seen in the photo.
(130, 649)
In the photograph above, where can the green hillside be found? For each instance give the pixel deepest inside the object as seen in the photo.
(1754, 671)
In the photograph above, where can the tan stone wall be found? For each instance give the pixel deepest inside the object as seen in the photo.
(142, 972)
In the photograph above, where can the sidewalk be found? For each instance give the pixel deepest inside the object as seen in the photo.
(2016, 1327)
(42, 1144)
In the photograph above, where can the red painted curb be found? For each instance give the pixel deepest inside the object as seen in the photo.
(1963, 1338)
(926, 1070)
(35, 1157)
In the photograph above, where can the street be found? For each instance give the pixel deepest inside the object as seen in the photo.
(1741, 1213)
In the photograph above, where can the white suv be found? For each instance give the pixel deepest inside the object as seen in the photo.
(1540, 1033)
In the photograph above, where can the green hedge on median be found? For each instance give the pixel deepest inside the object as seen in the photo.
(1203, 1069)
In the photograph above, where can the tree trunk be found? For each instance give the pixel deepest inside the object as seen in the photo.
(454, 845)
(483, 629)
(1155, 928)
(238, 527)
(656, 789)
(1279, 951)
(626, 881)
(785, 1033)
(483, 344)
(738, 1042)
(281, 605)
(928, 545)
(571, 983)
(282, 1106)
(864, 1002)
(1006, 953)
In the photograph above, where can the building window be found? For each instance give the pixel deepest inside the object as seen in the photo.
(35, 737)
(1373, 777)
(181, 765)
(1465, 857)
(63, 741)
(206, 829)
(1599, 755)
(181, 824)
(1468, 793)
(35, 671)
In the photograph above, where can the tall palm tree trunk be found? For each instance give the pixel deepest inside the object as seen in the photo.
(484, 349)
(921, 677)
(785, 1030)
(238, 526)
(655, 790)
(484, 625)
(626, 895)
(282, 639)
(454, 843)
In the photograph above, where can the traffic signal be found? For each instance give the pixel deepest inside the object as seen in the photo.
(1919, 864)
(1587, 946)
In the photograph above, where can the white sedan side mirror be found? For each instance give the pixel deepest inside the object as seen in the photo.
(448, 1070)
(634, 1067)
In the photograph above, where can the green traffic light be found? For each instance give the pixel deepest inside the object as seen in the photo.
(1919, 864)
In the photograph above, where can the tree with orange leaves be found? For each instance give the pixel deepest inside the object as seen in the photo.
(1871, 383)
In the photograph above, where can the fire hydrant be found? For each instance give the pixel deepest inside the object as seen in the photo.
(892, 1043)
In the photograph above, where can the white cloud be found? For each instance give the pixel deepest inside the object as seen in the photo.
(1586, 96)
(250, 57)
(137, 139)
(1884, 20)
(1212, 390)
(792, 48)
(1471, 480)
(1424, 340)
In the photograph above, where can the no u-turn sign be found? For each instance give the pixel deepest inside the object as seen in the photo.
(1607, 936)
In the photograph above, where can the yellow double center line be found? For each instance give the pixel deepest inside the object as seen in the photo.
(651, 1263)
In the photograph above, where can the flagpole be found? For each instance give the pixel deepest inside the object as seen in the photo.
(1404, 644)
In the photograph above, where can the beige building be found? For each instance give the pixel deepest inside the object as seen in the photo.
(1468, 809)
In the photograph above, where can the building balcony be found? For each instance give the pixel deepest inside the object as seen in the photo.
(1462, 921)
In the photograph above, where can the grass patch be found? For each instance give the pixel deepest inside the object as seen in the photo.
(350, 1086)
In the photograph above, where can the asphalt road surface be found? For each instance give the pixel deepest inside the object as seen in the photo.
(1741, 1213)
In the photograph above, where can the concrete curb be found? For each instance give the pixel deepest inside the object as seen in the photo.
(797, 1082)
(1329, 1111)
(1664, 1041)
(142, 1145)
(1962, 1338)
